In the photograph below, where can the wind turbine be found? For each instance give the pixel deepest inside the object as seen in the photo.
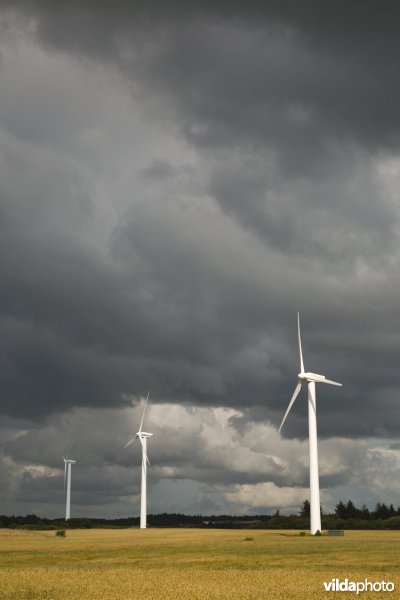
(142, 436)
(310, 379)
(67, 479)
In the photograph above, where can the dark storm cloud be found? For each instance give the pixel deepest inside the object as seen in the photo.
(298, 96)
(260, 71)
(167, 312)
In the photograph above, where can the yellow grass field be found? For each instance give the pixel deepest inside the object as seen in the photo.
(191, 564)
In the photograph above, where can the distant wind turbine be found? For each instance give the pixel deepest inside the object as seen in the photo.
(67, 480)
(142, 436)
(310, 379)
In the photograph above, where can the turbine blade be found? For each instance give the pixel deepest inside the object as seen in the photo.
(131, 440)
(295, 394)
(68, 455)
(144, 410)
(299, 339)
(145, 458)
(330, 382)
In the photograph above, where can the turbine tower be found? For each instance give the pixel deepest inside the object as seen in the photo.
(310, 379)
(142, 436)
(67, 479)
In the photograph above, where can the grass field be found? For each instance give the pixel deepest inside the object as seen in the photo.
(191, 564)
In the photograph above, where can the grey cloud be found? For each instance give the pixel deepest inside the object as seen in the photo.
(270, 74)
(312, 218)
(190, 444)
(158, 170)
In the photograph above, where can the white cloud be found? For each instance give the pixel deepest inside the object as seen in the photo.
(198, 454)
(267, 496)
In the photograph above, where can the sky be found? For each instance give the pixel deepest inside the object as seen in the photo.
(177, 181)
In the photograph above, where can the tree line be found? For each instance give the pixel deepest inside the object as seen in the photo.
(345, 516)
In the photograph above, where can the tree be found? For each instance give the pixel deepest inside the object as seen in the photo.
(381, 511)
(352, 511)
(305, 510)
(340, 510)
(365, 514)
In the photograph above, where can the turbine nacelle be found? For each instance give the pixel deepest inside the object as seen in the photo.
(140, 435)
(316, 378)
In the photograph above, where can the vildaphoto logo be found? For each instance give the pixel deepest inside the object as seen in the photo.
(336, 585)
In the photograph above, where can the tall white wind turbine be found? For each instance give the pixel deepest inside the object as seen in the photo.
(67, 481)
(142, 436)
(310, 379)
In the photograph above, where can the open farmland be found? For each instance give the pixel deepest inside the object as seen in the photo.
(183, 564)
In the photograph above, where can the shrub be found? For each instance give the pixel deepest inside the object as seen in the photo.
(393, 523)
